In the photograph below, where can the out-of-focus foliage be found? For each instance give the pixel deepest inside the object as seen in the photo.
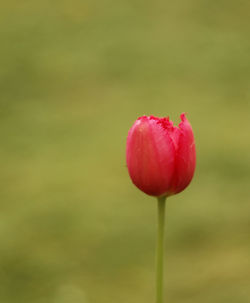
(74, 76)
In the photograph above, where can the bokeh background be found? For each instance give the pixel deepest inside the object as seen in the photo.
(74, 76)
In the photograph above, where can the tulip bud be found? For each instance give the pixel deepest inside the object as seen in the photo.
(160, 157)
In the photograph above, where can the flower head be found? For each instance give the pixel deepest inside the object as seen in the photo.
(161, 157)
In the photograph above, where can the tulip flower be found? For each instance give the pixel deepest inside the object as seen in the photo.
(161, 156)
(161, 162)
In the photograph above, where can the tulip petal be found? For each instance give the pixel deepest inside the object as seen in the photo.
(150, 155)
(185, 160)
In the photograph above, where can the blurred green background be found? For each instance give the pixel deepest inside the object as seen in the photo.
(74, 76)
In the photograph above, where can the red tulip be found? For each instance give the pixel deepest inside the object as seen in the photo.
(160, 156)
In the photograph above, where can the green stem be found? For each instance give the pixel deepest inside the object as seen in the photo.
(160, 250)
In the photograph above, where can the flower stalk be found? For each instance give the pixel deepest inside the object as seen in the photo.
(160, 250)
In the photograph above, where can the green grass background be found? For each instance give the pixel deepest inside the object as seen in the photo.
(74, 75)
